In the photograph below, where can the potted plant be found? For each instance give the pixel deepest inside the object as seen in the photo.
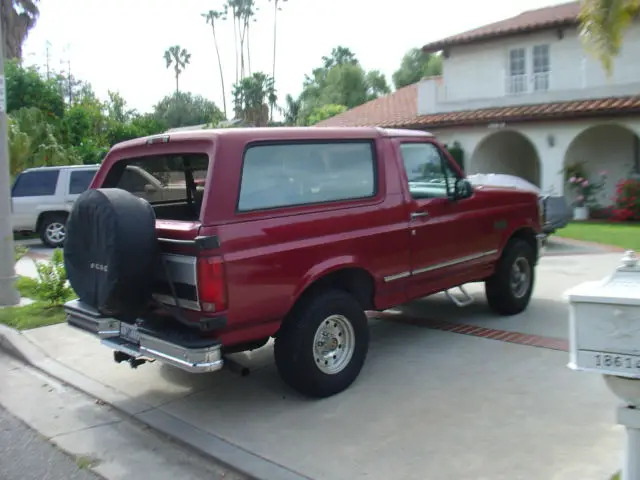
(585, 192)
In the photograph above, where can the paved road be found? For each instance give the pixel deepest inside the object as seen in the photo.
(25, 455)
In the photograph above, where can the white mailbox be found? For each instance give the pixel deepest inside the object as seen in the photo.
(604, 322)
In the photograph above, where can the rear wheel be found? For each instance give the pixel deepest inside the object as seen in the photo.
(322, 345)
(53, 230)
(509, 289)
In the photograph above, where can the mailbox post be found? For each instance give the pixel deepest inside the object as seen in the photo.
(604, 337)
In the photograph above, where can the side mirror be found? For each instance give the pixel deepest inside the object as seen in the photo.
(462, 189)
(148, 188)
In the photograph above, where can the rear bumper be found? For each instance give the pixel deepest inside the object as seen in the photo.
(177, 347)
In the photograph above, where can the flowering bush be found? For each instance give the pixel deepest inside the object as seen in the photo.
(586, 190)
(627, 200)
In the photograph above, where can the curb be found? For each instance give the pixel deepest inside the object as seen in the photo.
(584, 243)
(223, 452)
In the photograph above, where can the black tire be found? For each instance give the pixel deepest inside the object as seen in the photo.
(53, 230)
(507, 297)
(111, 253)
(296, 350)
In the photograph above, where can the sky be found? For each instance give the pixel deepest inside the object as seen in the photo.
(118, 45)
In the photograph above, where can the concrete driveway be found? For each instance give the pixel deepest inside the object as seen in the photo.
(429, 404)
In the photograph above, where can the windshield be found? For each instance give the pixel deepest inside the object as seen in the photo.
(173, 184)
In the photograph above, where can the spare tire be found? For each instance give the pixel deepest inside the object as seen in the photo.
(111, 251)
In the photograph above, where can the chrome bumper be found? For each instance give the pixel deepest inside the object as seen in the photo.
(144, 342)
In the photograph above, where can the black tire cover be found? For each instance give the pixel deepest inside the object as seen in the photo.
(111, 251)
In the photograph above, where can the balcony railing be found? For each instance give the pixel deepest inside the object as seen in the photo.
(517, 84)
(520, 84)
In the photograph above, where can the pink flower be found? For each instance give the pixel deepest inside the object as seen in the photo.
(585, 183)
(572, 180)
(580, 198)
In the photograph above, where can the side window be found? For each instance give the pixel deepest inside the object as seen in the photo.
(429, 173)
(80, 181)
(284, 175)
(132, 181)
(37, 183)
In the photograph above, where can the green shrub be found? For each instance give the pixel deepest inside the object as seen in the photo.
(20, 251)
(52, 286)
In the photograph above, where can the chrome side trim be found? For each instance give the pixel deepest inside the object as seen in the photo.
(453, 262)
(437, 266)
(397, 276)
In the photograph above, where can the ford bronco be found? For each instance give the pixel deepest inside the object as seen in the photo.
(285, 233)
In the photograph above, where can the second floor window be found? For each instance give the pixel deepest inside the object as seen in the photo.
(517, 81)
(541, 68)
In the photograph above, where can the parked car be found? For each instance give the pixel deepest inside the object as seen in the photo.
(556, 212)
(296, 233)
(41, 199)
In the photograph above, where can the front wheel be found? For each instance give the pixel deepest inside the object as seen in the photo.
(322, 345)
(509, 289)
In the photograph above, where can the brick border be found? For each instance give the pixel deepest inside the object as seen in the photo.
(476, 331)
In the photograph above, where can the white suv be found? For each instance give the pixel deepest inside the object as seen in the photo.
(41, 199)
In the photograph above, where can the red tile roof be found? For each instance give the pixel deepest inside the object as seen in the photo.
(403, 115)
(555, 16)
(397, 107)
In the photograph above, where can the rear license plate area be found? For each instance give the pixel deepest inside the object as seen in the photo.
(130, 333)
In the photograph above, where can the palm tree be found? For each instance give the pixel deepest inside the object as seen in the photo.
(18, 17)
(252, 97)
(276, 9)
(179, 58)
(603, 25)
(292, 110)
(211, 16)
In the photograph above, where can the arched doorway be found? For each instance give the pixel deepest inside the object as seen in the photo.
(611, 148)
(508, 152)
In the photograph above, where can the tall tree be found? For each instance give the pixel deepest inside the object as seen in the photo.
(213, 16)
(276, 9)
(292, 110)
(18, 18)
(232, 5)
(179, 58)
(415, 65)
(603, 25)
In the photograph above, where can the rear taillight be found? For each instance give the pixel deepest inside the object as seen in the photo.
(211, 284)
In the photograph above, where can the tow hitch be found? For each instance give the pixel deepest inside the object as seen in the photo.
(134, 362)
(465, 301)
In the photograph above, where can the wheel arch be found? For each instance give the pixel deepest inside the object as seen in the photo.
(340, 273)
(528, 235)
(49, 213)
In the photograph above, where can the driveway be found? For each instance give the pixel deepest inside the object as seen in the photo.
(429, 404)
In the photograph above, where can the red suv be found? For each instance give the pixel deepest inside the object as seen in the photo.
(290, 233)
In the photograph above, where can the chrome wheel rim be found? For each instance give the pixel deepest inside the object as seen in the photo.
(520, 277)
(55, 232)
(334, 344)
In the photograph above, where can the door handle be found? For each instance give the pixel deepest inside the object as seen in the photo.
(419, 214)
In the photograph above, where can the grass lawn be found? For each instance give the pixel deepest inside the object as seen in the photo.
(618, 234)
(37, 314)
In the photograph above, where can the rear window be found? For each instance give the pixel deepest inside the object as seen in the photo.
(38, 183)
(80, 181)
(284, 175)
(173, 184)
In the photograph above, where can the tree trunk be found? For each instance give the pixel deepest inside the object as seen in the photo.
(235, 39)
(248, 49)
(275, 32)
(177, 79)
(242, 32)
(224, 95)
